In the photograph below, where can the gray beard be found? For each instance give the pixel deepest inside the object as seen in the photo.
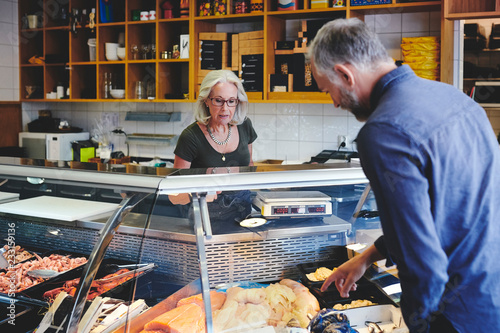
(350, 102)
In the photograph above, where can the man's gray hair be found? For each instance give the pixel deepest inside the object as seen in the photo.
(344, 41)
(202, 113)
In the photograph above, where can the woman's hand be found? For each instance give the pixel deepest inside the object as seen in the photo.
(185, 198)
(180, 199)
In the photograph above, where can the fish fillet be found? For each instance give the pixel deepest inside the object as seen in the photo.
(216, 298)
(187, 318)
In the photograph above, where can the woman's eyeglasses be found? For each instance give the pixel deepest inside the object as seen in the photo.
(232, 102)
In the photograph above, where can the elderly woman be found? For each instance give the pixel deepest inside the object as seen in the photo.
(222, 135)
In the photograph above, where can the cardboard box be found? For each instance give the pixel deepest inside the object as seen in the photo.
(251, 35)
(235, 56)
(212, 36)
(213, 54)
(212, 45)
(251, 43)
(284, 45)
(303, 79)
(369, 2)
(203, 72)
(283, 64)
(281, 82)
(319, 4)
(251, 50)
(288, 4)
(283, 52)
(267, 162)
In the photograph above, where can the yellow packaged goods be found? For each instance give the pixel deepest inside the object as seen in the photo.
(423, 65)
(420, 46)
(422, 53)
(321, 274)
(421, 59)
(425, 39)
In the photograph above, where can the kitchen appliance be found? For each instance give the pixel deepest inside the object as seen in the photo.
(277, 204)
(487, 93)
(53, 146)
(33, 144)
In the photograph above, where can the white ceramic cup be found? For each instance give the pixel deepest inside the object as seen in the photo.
(32, 21)
(60, 92)
(111, 51)
(121, 53)
(144, 16)
(152, 15)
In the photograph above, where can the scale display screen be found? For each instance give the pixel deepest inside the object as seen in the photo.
(299, 210)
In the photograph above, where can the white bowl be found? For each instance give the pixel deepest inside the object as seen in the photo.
(117, 93)
(121, 52)
(111, 49)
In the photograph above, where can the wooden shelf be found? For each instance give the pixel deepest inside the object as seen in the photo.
(300, 95)
(471, 9)
(473, 16)
(172, 77)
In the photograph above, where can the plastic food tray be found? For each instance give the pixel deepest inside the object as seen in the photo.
(28, 292)
(365, 291)
(121, 291)
(308, 268)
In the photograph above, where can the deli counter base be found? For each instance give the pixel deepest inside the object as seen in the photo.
(388, 318)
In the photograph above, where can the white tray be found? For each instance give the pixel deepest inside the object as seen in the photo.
(387, 316)
(57, 208)
(8, 197)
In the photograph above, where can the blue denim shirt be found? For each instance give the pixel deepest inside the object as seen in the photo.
(433, 161)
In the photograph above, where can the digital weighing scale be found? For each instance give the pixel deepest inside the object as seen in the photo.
(275, 204)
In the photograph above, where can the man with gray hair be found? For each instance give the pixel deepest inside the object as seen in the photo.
(433, 162)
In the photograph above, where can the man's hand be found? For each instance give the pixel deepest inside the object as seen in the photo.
(346, 275)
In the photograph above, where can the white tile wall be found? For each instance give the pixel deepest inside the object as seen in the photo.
(9, 64)
(292, 132)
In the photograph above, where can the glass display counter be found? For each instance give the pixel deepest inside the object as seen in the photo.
(186, 231)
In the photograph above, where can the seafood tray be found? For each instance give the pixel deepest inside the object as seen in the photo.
(71, 272)
(120, 291)
(21, 253)
(365, 291)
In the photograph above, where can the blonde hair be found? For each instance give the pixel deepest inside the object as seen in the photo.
(202, 114)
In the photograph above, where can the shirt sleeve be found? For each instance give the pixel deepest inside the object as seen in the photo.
(380, 246)
(250, 131)
(396, 169)
(382, 249)
(187, 145)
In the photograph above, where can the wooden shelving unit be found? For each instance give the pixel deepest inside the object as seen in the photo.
(471, 9)
(175, 80)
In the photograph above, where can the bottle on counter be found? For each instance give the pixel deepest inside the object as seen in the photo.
(176, 53)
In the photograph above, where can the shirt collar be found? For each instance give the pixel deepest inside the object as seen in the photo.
(387, 81)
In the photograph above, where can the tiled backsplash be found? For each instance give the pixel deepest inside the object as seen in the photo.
(9, 51)
(292, 132)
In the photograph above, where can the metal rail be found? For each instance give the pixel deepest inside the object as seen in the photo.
(95, 258)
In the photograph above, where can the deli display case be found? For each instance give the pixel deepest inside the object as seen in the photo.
(148, 238)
